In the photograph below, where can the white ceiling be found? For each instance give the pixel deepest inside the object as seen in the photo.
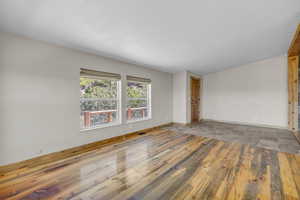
(170, 35)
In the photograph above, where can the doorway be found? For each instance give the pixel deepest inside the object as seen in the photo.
(195, 99)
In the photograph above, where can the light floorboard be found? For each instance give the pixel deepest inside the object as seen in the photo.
(162, 164)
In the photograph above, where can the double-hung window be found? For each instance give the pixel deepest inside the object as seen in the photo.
(99, 99)
(138, 99)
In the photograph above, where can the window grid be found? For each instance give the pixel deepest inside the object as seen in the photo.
(97, 112)
(142, 112)
(101, 103)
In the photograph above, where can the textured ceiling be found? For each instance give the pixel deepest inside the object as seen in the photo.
(170, 35)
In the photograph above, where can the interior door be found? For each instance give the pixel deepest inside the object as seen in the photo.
(195, 99)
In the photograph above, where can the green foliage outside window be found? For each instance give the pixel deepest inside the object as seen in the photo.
(92, 88)
(136, 94)
(96, 94)
(102, 95)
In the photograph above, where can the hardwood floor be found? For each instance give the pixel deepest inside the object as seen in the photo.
(267, 138)
(161, 165)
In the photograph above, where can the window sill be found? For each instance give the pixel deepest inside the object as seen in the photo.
(101, 126)
(138, 120)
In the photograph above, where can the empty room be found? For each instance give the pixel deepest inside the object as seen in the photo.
(136, 99)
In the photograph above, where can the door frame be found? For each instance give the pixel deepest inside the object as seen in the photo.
(293, 62)
(199, 101)
(293, 76)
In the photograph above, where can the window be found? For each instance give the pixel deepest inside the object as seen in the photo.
(99, 99)
(138, 98)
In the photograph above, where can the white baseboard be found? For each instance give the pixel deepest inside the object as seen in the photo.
(248, 124)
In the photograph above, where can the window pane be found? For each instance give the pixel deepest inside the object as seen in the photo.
(98, 102)
(136, 103)
(136, 90)
(137, 113)
(92, 88)
(137, 100)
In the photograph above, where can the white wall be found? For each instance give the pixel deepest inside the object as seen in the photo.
(255, 94)
(39, 103)
(180, 97)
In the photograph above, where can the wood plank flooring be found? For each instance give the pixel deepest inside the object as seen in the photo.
(161, 165)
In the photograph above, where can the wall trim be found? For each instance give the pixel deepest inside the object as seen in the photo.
(26, 166)
(247, 124)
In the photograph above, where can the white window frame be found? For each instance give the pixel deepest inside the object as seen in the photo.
(118, 120)
(149, 104)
